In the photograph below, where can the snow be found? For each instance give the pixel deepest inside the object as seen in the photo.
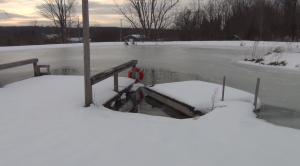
(293, 61)
(136, 86)
(43, 122)
(198, 94)
(75, 39)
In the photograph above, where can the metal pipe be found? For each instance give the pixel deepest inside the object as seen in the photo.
(223, 92)
(256, 93)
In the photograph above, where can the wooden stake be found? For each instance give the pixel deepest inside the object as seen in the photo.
(35, 69)
(86, 45)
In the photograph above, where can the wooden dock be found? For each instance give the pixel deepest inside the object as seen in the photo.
(114, 72)
(175, 104)
(36, 68)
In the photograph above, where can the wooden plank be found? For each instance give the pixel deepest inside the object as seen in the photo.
(16, 64)
(36, 70)
(182, 107)
(118, 96)
(116, 83)
(108, 73)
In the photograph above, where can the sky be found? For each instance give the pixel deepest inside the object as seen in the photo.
(23, 12)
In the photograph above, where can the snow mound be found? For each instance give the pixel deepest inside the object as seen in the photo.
(199, 94)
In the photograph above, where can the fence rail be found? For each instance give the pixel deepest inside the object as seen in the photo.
(114, 72)
(36, 68)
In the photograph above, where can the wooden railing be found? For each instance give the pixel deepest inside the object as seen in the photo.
(36, 68)
(114, 72)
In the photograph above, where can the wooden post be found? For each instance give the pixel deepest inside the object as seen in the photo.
(48, 70)
(116, 83)
(223, 92)
(256, 93)
(86, 45)
(35, 70)
(153, 77)
(134, 72)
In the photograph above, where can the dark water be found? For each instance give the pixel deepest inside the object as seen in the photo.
(280, 116)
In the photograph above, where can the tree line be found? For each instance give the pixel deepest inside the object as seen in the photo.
(160, 20)
(37, 35)
(240, 20)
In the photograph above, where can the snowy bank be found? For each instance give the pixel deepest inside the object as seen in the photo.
(199, 94)
(291, 61)
(43, 122)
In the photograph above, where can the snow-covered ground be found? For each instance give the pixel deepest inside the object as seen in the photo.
(199, 94)
(43, 122)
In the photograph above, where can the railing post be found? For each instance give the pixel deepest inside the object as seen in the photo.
(223, 92)
(35, 70)
(116, 83)
(134, 72)
(48, 70)
(256, 93)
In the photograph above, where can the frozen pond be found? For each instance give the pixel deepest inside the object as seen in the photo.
(279, 88)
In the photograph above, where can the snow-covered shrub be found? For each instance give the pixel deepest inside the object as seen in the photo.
(213, 99)
(242, 43)
(279, 49)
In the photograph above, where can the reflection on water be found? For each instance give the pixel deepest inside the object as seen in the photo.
(11, 77)
(160, 76)
(280, 116)
(67, 71)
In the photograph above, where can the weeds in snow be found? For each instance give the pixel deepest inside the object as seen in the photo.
(213, 100)
(242, 43)
(279, 50)
(276, 55)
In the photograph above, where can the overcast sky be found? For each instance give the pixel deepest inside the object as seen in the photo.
(22, 12)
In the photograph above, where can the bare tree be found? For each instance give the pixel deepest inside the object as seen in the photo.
(34, 22)
(78, 25)
(145, 15)
(60, 12)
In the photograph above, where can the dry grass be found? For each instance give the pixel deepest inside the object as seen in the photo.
(279, 49)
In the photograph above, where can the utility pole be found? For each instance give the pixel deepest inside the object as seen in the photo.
(121, 30)
(86, 48)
